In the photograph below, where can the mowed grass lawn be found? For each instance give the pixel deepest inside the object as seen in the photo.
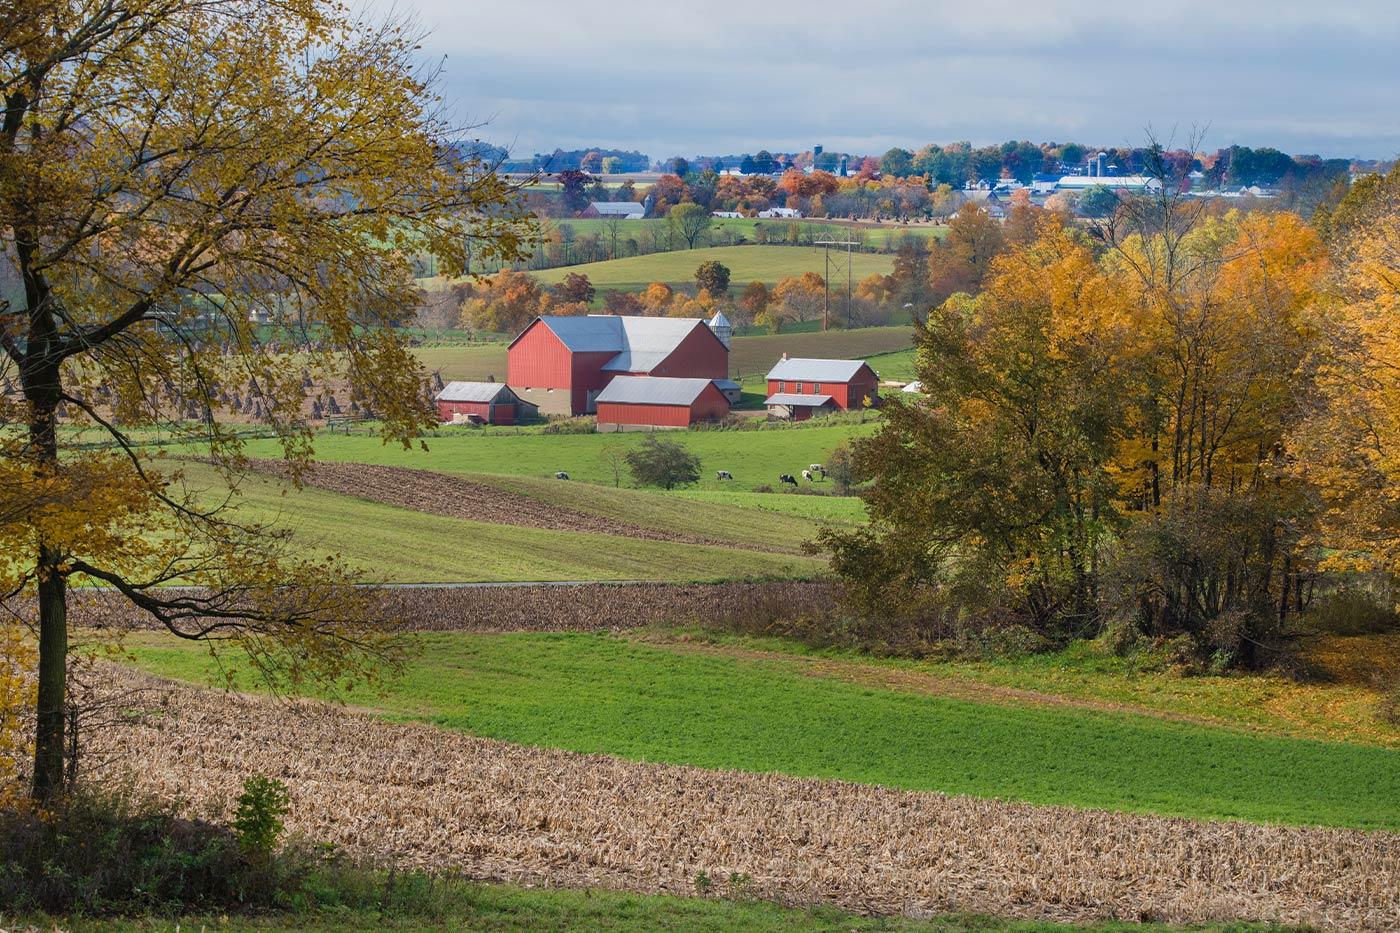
(767, 264)
(609, 694)
(404, 546)
(755, 457)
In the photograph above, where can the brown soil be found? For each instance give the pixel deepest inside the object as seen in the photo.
(454, 497)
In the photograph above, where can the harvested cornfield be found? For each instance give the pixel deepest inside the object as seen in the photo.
(454, 497)
(496, 811)
(582, 607)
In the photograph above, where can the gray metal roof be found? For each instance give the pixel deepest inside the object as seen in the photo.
(641, 343)
(727, 385)
(792, 398)
(619, 207)
(471, 391)
(816, 370)
(652, 390)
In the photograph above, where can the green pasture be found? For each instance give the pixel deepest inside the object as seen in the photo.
(405, 546)
(868, 235)
(670, 703)
(754, 457)
(767, 264)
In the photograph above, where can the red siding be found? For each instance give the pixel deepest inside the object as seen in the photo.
(538, 360)
(845, 395)
(710, 406)
(700, 355)
(495, 414)
(587, 376)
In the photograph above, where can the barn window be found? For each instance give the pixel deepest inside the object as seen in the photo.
(782, 385)
(799, 388)
(816, 388)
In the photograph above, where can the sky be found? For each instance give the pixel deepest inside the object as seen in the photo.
(734, 77)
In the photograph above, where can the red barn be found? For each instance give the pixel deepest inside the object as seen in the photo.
(562, 363)
(799, 388)
(651, 403)
(483, 402)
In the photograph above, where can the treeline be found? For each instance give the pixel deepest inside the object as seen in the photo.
(609, 161)
(1179, 426)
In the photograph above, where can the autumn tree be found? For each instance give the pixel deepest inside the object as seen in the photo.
(203, 199)
(713, 277)
(657, 297)
(798, 298)
(573, 190)
(689, 222)
(961, 260)
(575, 288)
(755, 299)
(508, 301)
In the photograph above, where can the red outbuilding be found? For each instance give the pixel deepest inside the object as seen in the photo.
(482, 403)
(799, 388)
(653, 403)
(562, 363)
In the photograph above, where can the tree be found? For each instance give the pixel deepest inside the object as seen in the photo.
(712, 277)
(689, 222)
(611, 165)
(573, 190)
(1097, 201)
(614, 457)
(575, 288)
(755, 299)
(172, 171)
(665, 463)
(897, 162)
(747, 165)
(623, 303)
(961, 260)
(658, 297)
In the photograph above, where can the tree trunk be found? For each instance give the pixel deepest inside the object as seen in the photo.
(53, 678)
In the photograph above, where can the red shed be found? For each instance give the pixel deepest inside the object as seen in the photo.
(650, 403)
(487, 402)
(845, 383)
(562, 363)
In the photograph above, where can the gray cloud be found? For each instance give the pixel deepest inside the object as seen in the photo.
(688, 79)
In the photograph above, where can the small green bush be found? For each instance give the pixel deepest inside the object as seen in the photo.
(258, 819)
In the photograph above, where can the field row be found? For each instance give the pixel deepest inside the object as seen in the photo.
(499, 811)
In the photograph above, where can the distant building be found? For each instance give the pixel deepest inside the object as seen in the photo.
(781, 212)
(627, 210)
(726, 214)
(1112, 182)
(800, 388)
(562, 364)
(482, 403)
(658, 403)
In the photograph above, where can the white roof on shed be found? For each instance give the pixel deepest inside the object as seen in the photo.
(816, 370)
(471, 391)
(625, 208)
(652, 390)
(792, 398)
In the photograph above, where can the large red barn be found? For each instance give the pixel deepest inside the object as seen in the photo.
(799, 388)
(562, 363)
(650, 403)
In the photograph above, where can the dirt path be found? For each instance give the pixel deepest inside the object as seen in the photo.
(454, 497)
(497, 811)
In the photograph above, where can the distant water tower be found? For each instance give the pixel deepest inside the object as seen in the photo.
(722, 328)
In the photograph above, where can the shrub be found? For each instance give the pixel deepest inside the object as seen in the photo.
(258, 819)
(661, 462)
(570, 426)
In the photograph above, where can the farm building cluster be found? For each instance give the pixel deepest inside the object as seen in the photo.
(645, 373)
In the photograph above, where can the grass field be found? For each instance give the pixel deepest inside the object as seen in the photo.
(409, 902)
(755, 457)
(746, 264)
(749, 355)
(666, 703)
(404, 546)
(877, 236)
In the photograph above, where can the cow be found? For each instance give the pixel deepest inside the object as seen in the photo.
(788, 478)
(723, 474)
(807, 475)
(816, 468)
(561, 475)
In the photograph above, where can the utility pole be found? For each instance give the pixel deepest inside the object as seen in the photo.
(826, 309)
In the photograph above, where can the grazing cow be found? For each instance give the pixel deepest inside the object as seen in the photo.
(816, 468)
(807, 475)
(561, 475)
(723, 474)
(788, 478)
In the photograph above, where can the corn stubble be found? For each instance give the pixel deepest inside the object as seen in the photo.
(496, 811)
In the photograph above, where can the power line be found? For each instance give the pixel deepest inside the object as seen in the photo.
(826, 307)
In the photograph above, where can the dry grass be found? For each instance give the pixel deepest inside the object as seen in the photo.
(496, 811)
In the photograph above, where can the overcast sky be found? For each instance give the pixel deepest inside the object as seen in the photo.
(718, 77)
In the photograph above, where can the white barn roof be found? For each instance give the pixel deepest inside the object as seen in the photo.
(641, 343)
(472, 391)
(808, 370)
(619, 208)
(652, 390)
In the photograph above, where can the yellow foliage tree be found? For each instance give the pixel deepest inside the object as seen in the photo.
(203, 198)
